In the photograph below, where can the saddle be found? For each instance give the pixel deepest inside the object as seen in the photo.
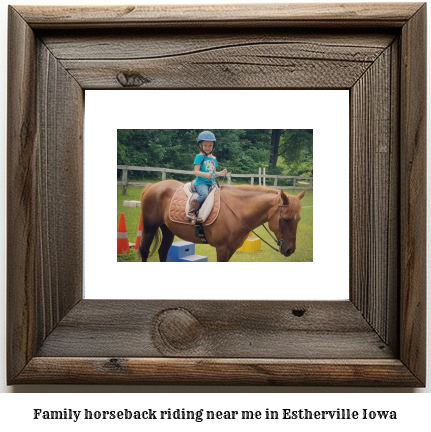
(180, 204)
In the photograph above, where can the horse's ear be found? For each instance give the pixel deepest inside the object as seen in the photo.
(284, 198)
(301, 194)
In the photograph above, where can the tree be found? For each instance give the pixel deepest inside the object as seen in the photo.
(275, 145)
(294, 141)
(238, 150)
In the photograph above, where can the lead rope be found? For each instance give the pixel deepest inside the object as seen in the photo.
(257, 235)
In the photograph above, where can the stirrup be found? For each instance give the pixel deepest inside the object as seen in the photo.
(191, 219)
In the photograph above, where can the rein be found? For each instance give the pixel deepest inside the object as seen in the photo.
(278, 241)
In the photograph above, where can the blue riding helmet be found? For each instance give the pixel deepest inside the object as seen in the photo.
(206, 136)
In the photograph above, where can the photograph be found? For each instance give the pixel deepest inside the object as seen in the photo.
(222, 195)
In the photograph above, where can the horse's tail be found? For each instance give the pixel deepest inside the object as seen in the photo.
(157, 238)
(156, 243)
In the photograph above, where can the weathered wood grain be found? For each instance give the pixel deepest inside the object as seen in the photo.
(375, 338)
(373, 221)
(312, 14)
(21, 196)
(413, 194)
(197, 371)
(59, 188)
(44, 194)
(235, 329)
(139, 45)
(211, 72)
(207, 60)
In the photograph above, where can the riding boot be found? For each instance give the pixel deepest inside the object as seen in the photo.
(194, 207)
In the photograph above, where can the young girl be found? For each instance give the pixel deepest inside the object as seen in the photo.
(205, 165)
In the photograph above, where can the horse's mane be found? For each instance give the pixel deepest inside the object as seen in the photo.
(257, 189)
(295, 205)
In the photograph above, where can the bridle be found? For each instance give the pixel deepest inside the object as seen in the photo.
(279, 241)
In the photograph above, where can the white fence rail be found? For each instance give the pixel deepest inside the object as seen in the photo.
(260, 178)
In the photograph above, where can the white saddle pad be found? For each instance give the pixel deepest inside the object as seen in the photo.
(207, 205)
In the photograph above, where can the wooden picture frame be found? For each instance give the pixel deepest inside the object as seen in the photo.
(376, 338)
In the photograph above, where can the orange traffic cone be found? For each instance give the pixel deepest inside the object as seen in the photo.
(122, 239)
(139, 233)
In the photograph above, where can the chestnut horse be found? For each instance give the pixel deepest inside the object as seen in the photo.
(242, 209)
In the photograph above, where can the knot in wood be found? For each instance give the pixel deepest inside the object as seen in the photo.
(298, 312)
(178, 329)
(131, 79)
(115, 363)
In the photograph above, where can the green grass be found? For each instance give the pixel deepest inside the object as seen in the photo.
(304, 243)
